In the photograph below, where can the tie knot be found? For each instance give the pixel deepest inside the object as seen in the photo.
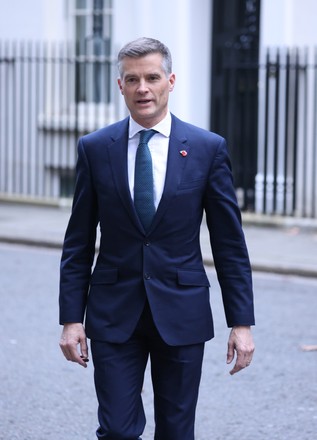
(145, 136)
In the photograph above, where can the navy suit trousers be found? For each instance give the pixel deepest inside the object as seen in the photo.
(119, 374)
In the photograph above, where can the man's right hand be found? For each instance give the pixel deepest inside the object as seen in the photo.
(73, 335)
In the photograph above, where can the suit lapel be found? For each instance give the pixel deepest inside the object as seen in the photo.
(177, 157)
(118, 154)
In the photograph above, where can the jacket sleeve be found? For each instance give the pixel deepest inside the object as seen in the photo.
(79, 244)
(227, 241)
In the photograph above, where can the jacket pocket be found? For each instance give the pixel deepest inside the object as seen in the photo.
(104, 276)
(192, 278)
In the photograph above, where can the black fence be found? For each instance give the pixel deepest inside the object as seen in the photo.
(286, 180)
(49, 96)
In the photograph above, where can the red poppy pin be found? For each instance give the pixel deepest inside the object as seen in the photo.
(183, 153)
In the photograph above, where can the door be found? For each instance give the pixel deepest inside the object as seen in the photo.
(234, 99)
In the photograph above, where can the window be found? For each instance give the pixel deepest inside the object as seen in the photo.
(93, 28)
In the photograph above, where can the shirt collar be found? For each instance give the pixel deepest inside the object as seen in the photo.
(163, 127)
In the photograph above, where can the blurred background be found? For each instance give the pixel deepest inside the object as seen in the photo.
(245, 69)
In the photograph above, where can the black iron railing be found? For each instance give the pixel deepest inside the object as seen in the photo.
(286, 180)
(42, 114)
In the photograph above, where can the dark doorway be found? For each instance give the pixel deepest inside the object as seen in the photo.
(234, 100)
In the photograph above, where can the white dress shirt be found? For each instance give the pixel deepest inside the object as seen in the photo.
(158, 146)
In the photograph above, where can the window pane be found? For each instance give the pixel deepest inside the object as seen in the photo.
(81, 24)
(98, 4)
(107, 30)
(81, 4)
(107, 4)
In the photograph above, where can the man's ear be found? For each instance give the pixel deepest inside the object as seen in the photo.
(120, 85)
(172, 79)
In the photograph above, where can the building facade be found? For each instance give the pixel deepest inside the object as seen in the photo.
(70, 88)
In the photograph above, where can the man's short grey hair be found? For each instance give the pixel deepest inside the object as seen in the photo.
(144, 46)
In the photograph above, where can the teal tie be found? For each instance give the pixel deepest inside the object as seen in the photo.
(143, 180)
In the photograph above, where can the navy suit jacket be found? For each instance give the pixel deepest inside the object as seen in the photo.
(166, 262)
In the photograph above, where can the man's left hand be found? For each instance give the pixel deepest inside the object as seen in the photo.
(241, 342)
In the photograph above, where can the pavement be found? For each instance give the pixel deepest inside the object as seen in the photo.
(281, 245)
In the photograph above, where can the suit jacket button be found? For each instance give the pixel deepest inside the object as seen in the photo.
(147, 243)
(147, 276)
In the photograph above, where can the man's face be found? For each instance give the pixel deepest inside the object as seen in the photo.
(146, 88)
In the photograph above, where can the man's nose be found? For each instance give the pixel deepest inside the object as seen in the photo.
(142, 88)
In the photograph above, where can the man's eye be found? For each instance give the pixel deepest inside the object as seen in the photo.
(130, 80)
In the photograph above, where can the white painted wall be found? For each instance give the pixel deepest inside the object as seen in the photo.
(33, 20)
(288, 23)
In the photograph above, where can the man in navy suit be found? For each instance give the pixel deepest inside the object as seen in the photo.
(147, 295)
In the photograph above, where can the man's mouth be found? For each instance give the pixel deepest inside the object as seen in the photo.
(143, 101)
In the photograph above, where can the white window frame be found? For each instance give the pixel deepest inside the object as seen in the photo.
(79, 107)
(93, 93)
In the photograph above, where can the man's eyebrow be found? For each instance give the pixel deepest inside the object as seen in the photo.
(149, 74)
